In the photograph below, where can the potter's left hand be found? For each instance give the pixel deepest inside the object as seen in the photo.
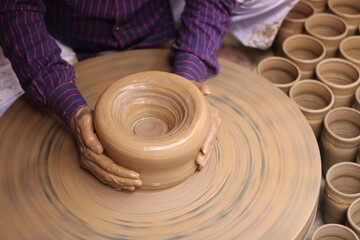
(205, 151)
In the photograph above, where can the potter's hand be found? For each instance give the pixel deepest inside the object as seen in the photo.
(205, 151)
(93, 158)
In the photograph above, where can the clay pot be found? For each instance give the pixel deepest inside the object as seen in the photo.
(349, 10)
(340, 137)
(154, 123)
(334, 232)
(353, 216)
(314, 99)
(342, 187)
(280, 71)
(329, 29)
(349, 49)
(305, 51)
(343, 78)
(319, 5)
(294, 21)
(356, 103)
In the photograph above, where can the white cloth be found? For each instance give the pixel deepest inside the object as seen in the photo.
(255, 23)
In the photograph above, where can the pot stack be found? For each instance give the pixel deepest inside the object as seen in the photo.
(318, 67)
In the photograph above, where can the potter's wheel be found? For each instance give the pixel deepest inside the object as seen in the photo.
(262, 181)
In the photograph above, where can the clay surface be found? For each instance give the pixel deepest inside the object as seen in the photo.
(261, 182)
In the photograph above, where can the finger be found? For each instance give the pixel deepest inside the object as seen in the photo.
(202, 87)
(202, 159)
(212, 132)
(108, 165)
(86, 128)
(115, 182)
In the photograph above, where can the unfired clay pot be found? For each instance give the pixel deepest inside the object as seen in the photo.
(349, 10)
(349, 49)
(294, 21)
(340, 137)
(329, 29)
(305, 51)
(343, 78)
(319, 5)
(314, 99)
(280, 71)
(334, 232)
(353, 216)
(342, 187)
(356, 103)
(154, 123)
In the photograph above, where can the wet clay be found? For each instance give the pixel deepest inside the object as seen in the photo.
(263, 178)
(154, 123)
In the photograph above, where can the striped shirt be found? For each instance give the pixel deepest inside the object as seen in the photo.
(92, 26)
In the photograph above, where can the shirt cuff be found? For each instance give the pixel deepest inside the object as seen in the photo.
(189, 66)
(65, 100)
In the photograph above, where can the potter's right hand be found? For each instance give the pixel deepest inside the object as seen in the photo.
(92, 157)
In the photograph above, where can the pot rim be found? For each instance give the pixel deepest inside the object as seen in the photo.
(329, 15)
(342, 51)
(326, 124)
(300, 20)
(293, 58)
(328, 107)
(329, 185)
(349, 218)
(324, 80)
(337, 12)
(357, 94)
(334, 225)
(272, 58)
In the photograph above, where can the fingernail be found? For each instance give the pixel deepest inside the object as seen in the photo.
(135, 175)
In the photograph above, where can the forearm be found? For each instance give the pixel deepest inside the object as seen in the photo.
(35, 58)
(203, 26)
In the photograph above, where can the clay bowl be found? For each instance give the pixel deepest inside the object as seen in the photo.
(349, 10)
(314, 99)
(353, 216)
(329, 29)
(154, 123)
(294, 21)
(356, 103)
(343, 78)
(334, 232)
(305, 51)
(340, 137)
(349, 49)
(280, 71)
(342, 187)
(319, 5)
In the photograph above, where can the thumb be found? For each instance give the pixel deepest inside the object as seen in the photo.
(85, 126)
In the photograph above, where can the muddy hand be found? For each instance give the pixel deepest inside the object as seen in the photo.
(93, 158)
(205, 151)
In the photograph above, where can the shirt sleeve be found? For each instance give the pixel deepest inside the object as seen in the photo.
(35, 57)
(203, 26)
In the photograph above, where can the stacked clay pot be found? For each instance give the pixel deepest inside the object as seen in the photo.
(155, 124)
(322, 38)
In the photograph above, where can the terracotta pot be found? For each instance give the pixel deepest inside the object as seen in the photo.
(356, 103)
(349, 10)
(294, 21)
(154, 123)
(329, 29)
(305, 51)
(343, 78)
(280, 71)
(314, 99)
(334, 232)
(353, 216)
(340, 137)
(342, 187)
(350, 49)
(319, 5)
